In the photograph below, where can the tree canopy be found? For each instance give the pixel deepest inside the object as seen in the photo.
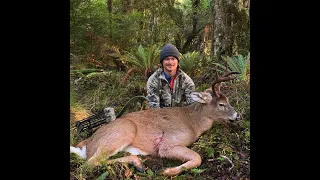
(215, 27)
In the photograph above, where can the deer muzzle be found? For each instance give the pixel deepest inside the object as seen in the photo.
(235, 117)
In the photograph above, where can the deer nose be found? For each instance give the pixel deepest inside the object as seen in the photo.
(238, 117)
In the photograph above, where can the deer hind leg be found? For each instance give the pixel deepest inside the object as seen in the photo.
(96, 159)
(184, 154)
(102, 153)
(132, 159)
(111, 146)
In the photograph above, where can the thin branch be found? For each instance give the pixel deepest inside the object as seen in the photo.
(228, 160)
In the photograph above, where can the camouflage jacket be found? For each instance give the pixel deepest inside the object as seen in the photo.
(161, 95)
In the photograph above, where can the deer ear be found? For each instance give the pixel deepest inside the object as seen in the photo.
(201, 97)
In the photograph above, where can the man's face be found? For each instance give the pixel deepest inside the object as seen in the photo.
(170, 64)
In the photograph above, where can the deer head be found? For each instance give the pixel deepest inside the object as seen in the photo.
(217, 102)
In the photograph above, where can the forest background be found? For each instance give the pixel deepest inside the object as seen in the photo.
(114, 48)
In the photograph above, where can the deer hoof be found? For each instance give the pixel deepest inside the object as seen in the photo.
(171, 171)
(141, 168)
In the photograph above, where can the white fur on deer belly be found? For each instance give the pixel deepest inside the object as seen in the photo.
(134, 151)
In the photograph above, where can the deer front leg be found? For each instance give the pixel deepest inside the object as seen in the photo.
(184, 154)
(98, 157)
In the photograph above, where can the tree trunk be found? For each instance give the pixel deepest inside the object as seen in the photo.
(194, 32)
(223, 37)
(229, 38)
(109, 5)
(126, 6)
(218, 27)
(177, 40)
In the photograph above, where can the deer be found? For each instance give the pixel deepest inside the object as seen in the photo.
(160, 132)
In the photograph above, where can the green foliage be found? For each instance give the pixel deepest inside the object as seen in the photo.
(184, 15)
(78, 61)
(220, 158)
(189, 63)
(79, 169)
(237, 63)
(144, 58)
(246, 76)
(205, 73)
(103, 176)
(81, 12)
(85, 71)
(247, 136)
(150, 173)
(124, 29)
(210, 152)
(99, 90)
(148, 22)
(197, 171)
(72, 99)
(202, 87)
(72, 135)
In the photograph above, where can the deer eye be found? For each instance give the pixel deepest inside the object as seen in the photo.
(221, 104)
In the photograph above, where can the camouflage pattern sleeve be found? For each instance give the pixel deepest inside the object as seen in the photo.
(189, 88)
(153, 92)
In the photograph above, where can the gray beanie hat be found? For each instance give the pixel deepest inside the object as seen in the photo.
(169, 50)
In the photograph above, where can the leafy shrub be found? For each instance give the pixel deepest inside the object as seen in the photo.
(189, 63)
(145, 59)
(240, 64)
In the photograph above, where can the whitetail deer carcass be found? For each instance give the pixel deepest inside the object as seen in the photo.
(162, 132)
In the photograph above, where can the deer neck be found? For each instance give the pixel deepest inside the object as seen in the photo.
(199, 118)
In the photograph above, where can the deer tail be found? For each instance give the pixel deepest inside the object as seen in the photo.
(80, 151)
